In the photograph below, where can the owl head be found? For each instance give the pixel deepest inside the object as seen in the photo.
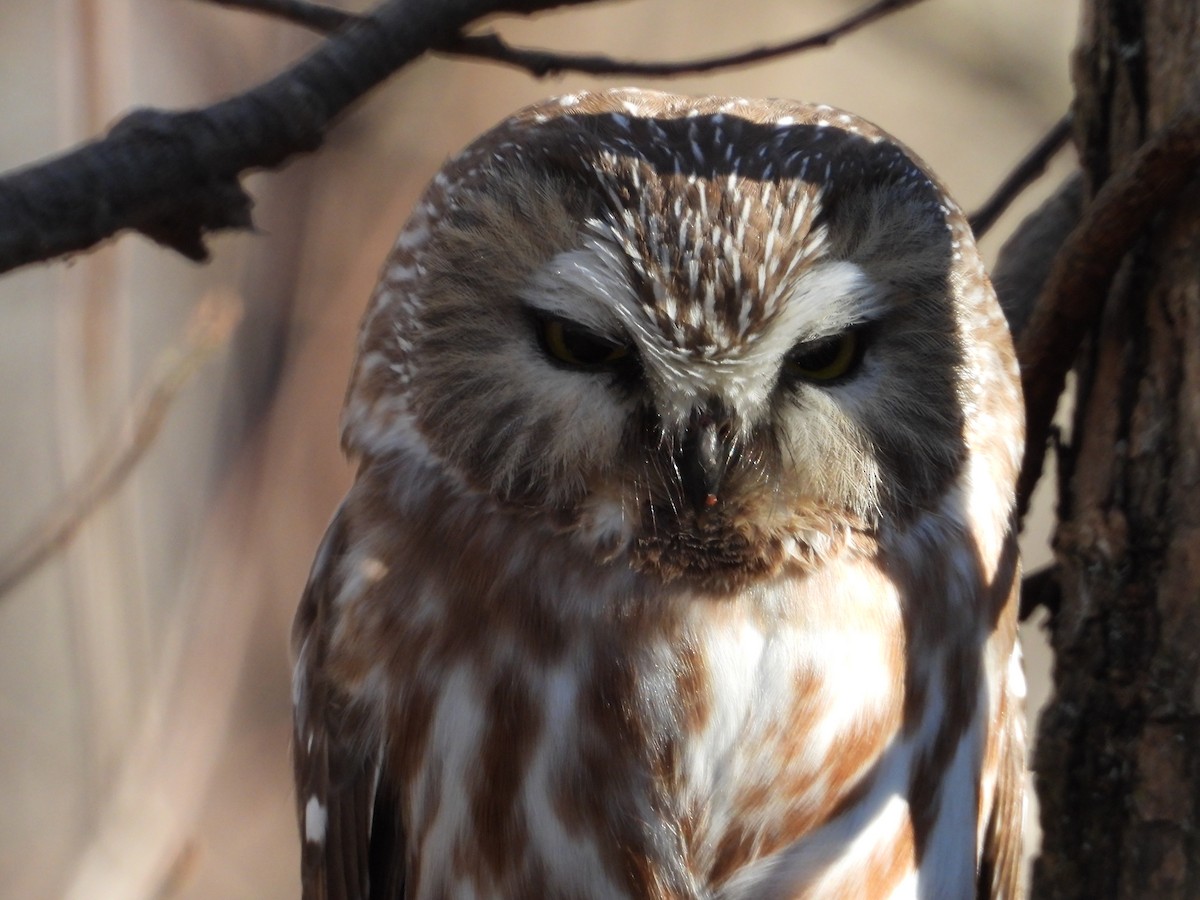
(706, 336)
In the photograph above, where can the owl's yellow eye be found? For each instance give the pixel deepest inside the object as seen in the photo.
(826, 359)
(574, 346)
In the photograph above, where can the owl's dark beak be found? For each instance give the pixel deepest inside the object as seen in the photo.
(705, 455)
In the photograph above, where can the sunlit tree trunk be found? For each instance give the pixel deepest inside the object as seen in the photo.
(1119, 748)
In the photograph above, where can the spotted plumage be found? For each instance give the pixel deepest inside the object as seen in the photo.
(680, 560)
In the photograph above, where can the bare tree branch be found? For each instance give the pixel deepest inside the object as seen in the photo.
(174, 176)
(1024, 262)
(1024, 174)
(1074, 295)
(1040, 588)
(209, 329)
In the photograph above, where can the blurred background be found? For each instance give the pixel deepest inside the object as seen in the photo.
(144, 700)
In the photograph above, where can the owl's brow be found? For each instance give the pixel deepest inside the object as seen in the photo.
(557, 286)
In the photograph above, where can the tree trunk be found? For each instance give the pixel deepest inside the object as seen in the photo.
(1118, 755)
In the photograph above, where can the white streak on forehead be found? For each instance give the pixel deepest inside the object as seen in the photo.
(590, 285)
(830, 297)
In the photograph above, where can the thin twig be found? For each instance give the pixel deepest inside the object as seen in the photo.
(1074, 294)
(1024, 261)
(210, 326)
(540, 63)
(319, 18)
(1024, 174)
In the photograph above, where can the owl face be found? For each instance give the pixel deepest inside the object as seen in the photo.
(711, 341)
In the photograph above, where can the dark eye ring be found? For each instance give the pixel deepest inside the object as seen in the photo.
(826, 359)
(575, 346)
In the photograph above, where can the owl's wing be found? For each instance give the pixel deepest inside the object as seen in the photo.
(1000, 867)
(352, 846)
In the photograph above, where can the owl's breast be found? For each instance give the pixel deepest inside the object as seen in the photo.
(671, 760)
(797, 748)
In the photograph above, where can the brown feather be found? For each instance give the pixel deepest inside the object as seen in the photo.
(337, 760)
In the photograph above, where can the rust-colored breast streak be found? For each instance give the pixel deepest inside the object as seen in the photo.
(670, 750)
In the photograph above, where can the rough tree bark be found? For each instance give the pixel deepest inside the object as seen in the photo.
(1119, 748)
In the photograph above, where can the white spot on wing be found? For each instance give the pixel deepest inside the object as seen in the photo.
(299, 682)
(1016, 673)
(315, 820)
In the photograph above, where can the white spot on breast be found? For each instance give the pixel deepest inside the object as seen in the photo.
(361, 571)
(315, 819)
(569, 858)
(947, 869)
(459, 721)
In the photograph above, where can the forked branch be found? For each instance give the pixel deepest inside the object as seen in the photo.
(175, 176)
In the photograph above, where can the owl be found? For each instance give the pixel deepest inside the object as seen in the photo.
(680, 561)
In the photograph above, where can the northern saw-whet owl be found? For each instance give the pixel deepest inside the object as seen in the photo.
(680, 561)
